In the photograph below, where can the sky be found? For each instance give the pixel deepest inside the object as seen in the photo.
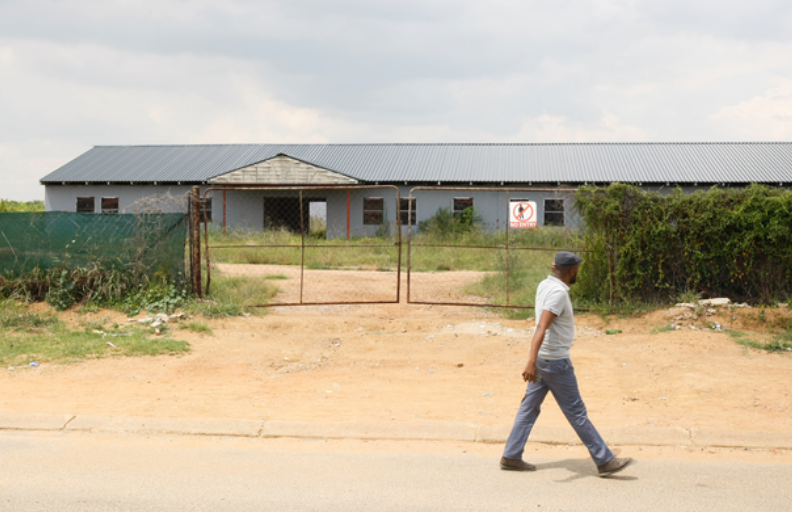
(78, 74)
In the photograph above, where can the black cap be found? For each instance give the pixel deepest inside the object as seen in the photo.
(567, 259)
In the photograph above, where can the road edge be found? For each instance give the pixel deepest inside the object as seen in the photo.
(389, 430)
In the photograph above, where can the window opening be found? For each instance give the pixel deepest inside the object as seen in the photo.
(318, 217)
(373, 211)
(461, 204)
(85, 205)
(109, 205)
(405, 207)
(554, 212)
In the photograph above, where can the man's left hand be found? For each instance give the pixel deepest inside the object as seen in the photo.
(529, 374)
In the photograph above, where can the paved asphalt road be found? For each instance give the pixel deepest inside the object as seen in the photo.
(68, 472)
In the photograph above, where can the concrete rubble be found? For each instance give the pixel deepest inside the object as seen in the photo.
(707, 303)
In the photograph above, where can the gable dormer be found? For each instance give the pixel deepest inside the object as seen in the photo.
(283, 170)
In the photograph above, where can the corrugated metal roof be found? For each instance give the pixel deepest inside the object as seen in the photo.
(728, 162)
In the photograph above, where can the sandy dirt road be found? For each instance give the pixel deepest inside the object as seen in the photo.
(400, 362)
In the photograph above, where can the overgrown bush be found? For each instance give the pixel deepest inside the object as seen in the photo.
(445, 224)
(95, 285)
(722, 242)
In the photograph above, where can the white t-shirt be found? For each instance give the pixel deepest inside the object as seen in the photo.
(553, 295)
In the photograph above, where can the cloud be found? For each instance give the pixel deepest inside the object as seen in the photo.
(547, 128)
(78, 74)
(767, 116)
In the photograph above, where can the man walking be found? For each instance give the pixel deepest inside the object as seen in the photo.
(550, 369)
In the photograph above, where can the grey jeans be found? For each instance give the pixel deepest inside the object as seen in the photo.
(559, 378)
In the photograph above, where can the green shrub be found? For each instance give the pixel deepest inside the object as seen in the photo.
(6, 205)
(95, 286)
(649, 247)
(445, 224)
(197, 327)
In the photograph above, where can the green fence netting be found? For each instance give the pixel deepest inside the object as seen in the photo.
(143, 244)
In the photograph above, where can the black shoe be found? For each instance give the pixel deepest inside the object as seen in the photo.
(614, 466)
(516, 465)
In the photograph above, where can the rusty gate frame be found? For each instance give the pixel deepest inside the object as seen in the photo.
(505, 247)
(302, 245)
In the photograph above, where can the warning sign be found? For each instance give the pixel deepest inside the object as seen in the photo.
(522, 214)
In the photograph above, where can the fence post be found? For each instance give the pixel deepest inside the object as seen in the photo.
(302, 247)
(508, 227)
(348, 208)
(195, 239)
(224, 211)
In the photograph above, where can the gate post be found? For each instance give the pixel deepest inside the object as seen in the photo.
(195, 240)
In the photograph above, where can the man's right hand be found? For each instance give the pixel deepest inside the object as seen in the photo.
(529, 374)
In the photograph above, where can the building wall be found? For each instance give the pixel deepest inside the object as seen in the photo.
(64, 197)
(245, 209)
(491, 206)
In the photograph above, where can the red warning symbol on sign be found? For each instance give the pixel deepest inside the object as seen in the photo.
(522, 214)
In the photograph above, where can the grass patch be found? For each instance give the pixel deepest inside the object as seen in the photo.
(689, 297)
(197, 327)
(276, 277)
(526, 270)
(231, 296)
(27, 337)
(780, 343)
(625, 309)
(11, 318)
(662, 328)
(424, 256)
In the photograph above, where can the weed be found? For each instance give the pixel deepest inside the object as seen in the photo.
(91, 307)
(780, 343)
(276, 277)
(230, 296)
(689, 296)
(65, 345)
(621, 309)
(446, 224)
(13, 316)
(426, 255)
(197, 327)
(662, 328)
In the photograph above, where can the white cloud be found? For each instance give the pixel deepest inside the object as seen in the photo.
(548, 128)
(764, 117)
(75, 74)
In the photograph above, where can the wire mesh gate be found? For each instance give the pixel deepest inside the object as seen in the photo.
(306, 245)
(485, 246)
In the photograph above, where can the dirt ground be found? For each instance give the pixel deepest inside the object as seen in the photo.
(359, 286)
(399, 362)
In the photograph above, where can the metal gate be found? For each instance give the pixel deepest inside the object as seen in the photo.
(314, 245)
(485, 246)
